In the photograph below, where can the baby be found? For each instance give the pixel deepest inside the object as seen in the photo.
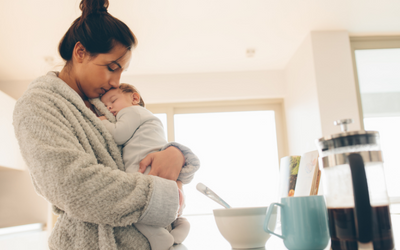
(140, 133)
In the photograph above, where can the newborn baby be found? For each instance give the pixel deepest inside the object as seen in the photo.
(141, 133)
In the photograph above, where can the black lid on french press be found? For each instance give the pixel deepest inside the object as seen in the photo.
(346, 139)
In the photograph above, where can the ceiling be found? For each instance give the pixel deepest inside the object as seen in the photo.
(187, 36)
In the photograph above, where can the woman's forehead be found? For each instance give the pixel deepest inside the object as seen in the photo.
(119, 54)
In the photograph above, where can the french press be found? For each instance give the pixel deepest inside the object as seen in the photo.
(355, 190)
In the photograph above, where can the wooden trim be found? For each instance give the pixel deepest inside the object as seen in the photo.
(358, 93)
(364, 43)
(375, 42)
(227, 106)
(214, 103)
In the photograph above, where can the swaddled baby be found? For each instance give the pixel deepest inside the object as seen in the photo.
(141, 133)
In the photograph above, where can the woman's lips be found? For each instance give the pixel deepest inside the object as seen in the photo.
(103, 91)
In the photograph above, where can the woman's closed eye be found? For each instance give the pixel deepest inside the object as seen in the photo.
(113, 67)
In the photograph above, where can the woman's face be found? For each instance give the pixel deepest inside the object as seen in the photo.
(96, 75)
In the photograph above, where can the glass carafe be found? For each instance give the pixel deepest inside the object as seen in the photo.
(355, 190)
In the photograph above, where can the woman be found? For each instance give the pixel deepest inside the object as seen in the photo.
(73, 160)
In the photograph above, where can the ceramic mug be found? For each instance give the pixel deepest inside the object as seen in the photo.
(304, 222)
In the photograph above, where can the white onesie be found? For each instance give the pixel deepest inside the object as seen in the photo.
(140, 132)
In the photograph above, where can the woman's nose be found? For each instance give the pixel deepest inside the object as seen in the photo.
(109, 107)
(114, 81)
(114, 84)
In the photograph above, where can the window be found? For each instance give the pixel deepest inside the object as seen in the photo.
(239, 147)
(377, 72)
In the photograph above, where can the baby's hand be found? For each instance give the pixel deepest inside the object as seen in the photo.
(102, 118)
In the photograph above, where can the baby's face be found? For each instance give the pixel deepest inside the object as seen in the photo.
(115, 100)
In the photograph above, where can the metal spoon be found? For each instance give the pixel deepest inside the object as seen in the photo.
(210, 194)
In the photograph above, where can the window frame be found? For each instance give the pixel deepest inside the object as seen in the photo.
(227, 106)
(366, 43)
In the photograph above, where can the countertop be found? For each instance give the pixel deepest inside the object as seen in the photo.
(204, 235)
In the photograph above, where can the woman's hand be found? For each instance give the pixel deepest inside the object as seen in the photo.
(166, 164)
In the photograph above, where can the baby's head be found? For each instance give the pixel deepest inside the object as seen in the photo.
(125, 96)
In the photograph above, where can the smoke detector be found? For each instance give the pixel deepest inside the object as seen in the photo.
(250, 52)
(49, 60)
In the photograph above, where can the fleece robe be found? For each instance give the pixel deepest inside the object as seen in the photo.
(75, 164)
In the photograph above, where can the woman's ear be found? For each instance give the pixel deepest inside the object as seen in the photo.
(79, 52)
(135, 98)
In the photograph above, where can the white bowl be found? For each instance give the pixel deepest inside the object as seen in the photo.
(244, 227)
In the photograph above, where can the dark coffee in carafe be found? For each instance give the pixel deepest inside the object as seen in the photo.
(344, 234)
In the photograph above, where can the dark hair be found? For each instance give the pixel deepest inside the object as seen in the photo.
(96, 30)
(127, 88)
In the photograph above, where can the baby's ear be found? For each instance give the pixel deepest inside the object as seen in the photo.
(135, 98)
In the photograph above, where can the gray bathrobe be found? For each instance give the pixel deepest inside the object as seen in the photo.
(75, 164)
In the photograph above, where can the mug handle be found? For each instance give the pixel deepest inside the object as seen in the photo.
(268, 217)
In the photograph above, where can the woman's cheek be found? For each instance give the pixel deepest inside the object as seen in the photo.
(106, 77)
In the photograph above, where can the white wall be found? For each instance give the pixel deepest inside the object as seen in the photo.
(193, 87)
(337, 96)
(14, 88)
(10, 155)
(320, 88)
(19, 203)
(301, 101)
(218, 86)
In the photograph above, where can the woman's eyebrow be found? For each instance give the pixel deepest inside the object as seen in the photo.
(115, 61)
(109, 63)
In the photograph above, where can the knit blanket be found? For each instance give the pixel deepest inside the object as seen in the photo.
(75, 164)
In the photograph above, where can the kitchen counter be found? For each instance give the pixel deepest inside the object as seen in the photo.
(204, 235)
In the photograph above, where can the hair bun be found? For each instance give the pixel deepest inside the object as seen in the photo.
(93, 7)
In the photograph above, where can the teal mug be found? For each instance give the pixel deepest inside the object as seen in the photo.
(304, 222)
